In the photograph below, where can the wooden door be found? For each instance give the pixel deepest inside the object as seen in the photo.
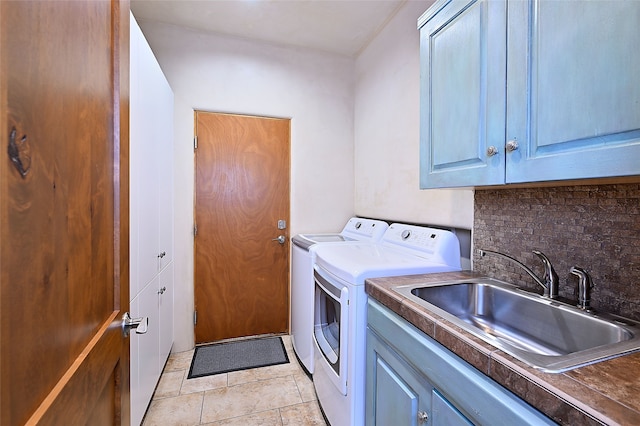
(242, 191)
(64, 212)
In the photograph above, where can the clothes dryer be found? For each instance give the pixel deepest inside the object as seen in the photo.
(340, 307)
(302, 284)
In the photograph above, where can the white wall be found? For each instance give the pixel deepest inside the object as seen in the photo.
(222, 74)
(387, 132)
(354, 130)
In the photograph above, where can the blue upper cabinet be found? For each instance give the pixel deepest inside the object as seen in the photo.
(550, 93)
(462, 99)
(573, 89)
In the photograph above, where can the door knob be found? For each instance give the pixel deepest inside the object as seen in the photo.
(281, 239)
(139, 324)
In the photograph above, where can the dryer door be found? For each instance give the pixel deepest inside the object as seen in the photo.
(331, 318)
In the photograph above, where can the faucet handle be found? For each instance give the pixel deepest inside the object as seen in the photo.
(548, 268)
(584, 286)
(550, 275)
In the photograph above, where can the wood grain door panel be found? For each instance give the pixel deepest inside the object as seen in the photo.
(64, 212)
(242, 190)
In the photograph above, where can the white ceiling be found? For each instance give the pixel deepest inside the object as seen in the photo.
(338, 26)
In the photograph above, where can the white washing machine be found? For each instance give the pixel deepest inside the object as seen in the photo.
(340, 307)
(302, 284)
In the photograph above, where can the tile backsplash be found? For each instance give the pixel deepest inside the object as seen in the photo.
(595, 227)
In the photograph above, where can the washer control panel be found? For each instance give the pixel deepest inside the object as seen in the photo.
(365, 228)
(420, 238)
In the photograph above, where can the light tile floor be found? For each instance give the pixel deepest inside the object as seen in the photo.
(276, 395)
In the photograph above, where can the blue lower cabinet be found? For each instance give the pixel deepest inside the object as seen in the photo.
(413, 380)
(444, 413)
(397, 392)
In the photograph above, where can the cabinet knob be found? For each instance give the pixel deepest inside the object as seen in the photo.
(491, 151)
(512, 145)
(163, 254)
(422, 417)
(162, 290)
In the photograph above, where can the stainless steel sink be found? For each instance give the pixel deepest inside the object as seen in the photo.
(544, 333)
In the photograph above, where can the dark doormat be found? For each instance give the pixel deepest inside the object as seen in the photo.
(239, 355)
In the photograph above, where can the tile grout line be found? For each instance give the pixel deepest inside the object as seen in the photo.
(298, 387)
(184, 377)
(280, 414)
(201, 408)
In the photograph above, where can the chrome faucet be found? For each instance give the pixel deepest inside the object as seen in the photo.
(550, 276)
(550, 280)
(584, 287)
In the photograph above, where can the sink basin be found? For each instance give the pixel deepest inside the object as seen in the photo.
(546, 334)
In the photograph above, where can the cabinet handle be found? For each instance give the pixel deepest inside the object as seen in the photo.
(162, 290)
(422, 417)
(512, 145)
(163, 254)
(491, 151)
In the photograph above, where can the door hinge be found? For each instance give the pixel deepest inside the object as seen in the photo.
(195, 317)
(195, 230)
(195, 142)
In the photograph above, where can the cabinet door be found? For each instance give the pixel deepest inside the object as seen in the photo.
(144, 160)
(396, 394)
(395, 401)
(163, 113)
(462, 92)
(573, 89)
(139, 402)
(165, 305)
(145, 359)
(444, 413)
